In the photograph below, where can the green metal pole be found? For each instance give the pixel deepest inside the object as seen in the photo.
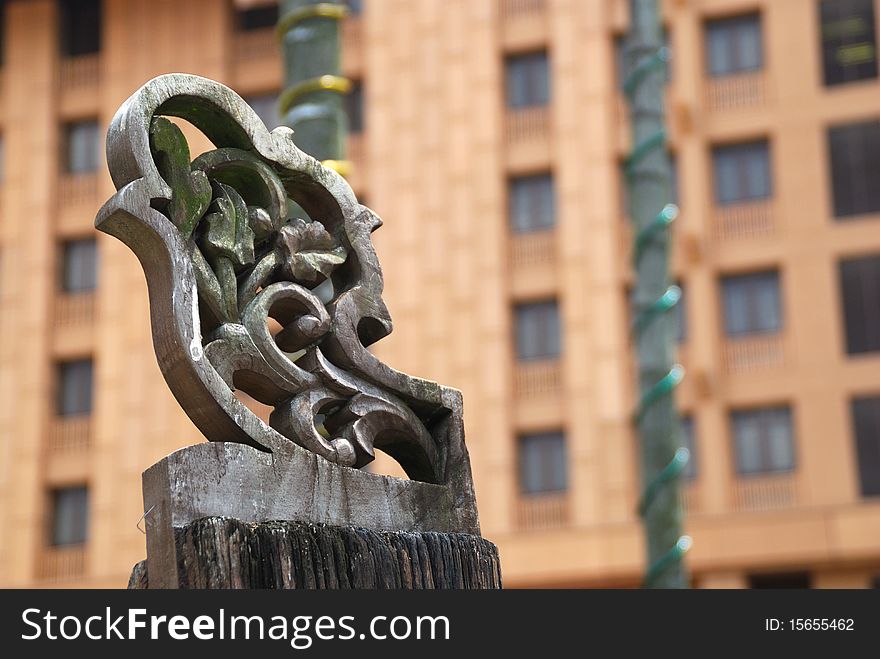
(649, 183)
(312, 100)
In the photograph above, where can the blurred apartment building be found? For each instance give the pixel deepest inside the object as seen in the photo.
(489, 135)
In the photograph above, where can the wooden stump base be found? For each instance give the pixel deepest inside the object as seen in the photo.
(218, 552)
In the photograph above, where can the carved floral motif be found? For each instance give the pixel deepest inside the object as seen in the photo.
(247, 233)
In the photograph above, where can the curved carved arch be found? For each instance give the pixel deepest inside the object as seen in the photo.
(223, 252)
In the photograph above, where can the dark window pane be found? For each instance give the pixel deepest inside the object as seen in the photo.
(537, 330)
(527, 79)
(266, 107)
(763, 440)
(620, 69)
(688, 441)
(532, 204)
(623, 190)
(860, 284)
(849, 40)
(866, 422)
(782, 580)
(733, 45)
(75, 387)
(354, 107)
(751, 303)
(79, 265)
(742, 172)
(673, 169)
(81, 147)
(680, 316)
(79, 26)
(70, 513)
(257, 18)
(855, 168)
(542, 463)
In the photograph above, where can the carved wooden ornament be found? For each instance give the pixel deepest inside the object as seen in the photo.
(257, 230)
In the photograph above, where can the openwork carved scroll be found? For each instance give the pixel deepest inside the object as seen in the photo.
(263, 278)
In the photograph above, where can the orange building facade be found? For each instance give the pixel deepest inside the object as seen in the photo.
(777, 249)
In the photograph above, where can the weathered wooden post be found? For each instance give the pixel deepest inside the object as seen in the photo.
(283, 504)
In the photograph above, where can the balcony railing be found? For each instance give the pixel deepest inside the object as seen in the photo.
(515, 9)
(735, 92)
(769, 492)
(71, 433)
(58, 564)
(532, 249)
(540, 378)
(527, 124)
(690, 497)
(754, 219)
(542, 511)
(754, 353)
(80, 72)
(255, 45)
(73, 309)
(76, 189)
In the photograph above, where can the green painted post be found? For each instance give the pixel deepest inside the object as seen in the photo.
(312, 100)
(649, 184)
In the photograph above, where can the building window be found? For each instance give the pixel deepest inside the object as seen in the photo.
(355, 7)
(262, 17)
(81, 147)
(70, 513)
(79, 27)
(751, 304)
(679, 312)
(849, 40)
(673, 177)
(763, 440)
(79, 265)
(266, 107)
(528, 80)
(866, 422)
(542, 463)
(688, 441)
(860, 290)
(855, 168)
(742, 172)
(781, 580)
(74, 388)
(532, 203)
(354, 107)
(733, 45)
(537, 330)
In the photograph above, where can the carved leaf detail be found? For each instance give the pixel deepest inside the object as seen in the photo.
(227, 231)
(310, 253)
(190, 191)
(226, 239)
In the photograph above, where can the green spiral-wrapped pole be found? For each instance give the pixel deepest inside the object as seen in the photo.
(314, 87)
(648, 170)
